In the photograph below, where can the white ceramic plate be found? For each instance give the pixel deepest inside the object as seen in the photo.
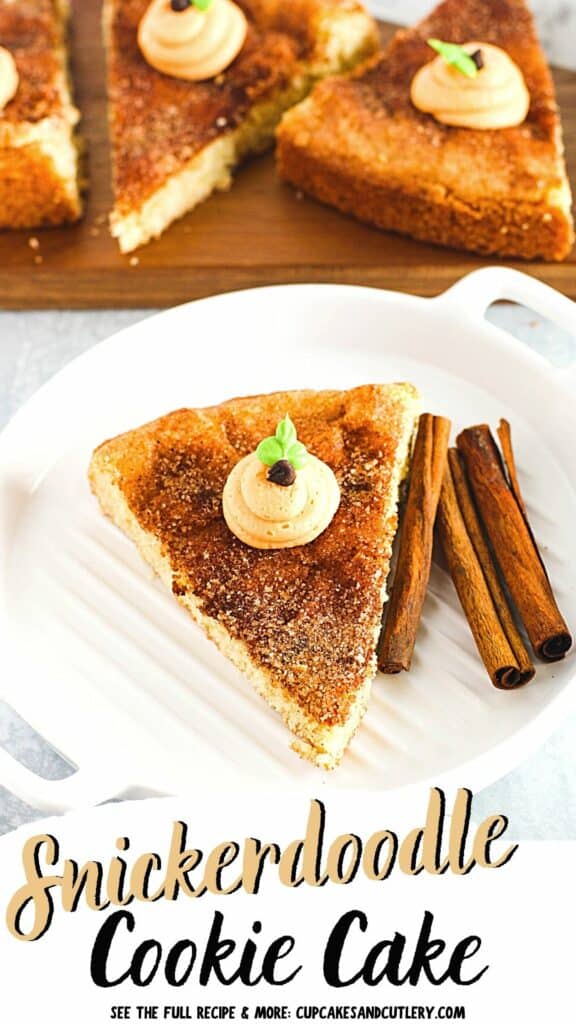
(108, 668)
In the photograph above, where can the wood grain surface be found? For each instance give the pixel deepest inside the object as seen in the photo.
(261, 232)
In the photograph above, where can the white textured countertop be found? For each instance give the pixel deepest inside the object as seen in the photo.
(540, 796)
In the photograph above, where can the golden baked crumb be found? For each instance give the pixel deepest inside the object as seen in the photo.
(301, 622)
(38, 152)
(359, 144)
(175, 142)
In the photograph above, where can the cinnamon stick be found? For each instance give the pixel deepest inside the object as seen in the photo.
(476, 534)
(415, 549)
(505, 436)
(473, 591)
(512, 540)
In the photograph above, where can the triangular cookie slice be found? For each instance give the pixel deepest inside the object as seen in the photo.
(39, 150)
(174, 142)
(359, 144)
(302, 623)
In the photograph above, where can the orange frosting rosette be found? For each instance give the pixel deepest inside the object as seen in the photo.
(492, 95)
(194, 44)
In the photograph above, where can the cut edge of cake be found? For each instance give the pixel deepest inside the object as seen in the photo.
(44, 155)
(321, 744)
(345, 37)
(491, 226)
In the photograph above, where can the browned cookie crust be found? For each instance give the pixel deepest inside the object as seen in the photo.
(358, 143)
(305, 619)
(38, 156)
(160, 124)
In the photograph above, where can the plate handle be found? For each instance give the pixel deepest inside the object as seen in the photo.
(475, 292)
(83, 789)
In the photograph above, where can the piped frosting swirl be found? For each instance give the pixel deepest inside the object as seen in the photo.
(264, 515)
(192, 44)
(9, 77)
(496, 97)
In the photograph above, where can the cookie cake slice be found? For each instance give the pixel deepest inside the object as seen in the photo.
(38, 148)
(432, 171)
(300, 621)
(182, 120)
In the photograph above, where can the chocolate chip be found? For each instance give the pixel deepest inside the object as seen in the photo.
(282, 473)
(478, 58)
(179, 5)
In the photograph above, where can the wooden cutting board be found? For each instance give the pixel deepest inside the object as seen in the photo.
(261, 232)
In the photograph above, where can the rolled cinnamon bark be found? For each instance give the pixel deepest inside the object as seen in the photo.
(510, 471)
(505, 436)
(476, 534)
(502, 512)
(415, 548)
(474, 593)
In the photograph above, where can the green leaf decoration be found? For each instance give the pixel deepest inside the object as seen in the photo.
(270, 451)
(456, 56)
(297, 455)
(283, 445)
(286, 432)
(202, 5)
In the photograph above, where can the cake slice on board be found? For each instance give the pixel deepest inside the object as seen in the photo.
(175, 141)
(38, 150)
(359, 143)
(301, 622)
